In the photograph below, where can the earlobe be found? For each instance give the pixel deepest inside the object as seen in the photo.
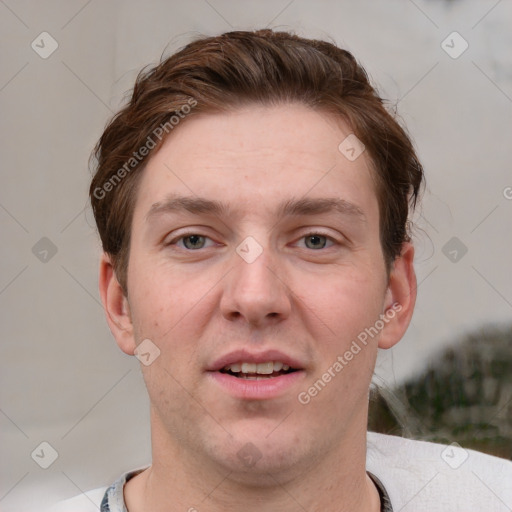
(400, 298)
(116, 306)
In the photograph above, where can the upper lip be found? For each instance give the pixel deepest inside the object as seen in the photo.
(245, 356)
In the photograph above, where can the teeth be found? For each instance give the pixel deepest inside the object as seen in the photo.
(236, 367)
(265, 368)
(260, 368)
(249, 367)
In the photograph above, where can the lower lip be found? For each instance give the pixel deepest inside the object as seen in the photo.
(263, 389)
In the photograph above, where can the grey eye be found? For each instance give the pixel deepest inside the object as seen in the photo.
(196, 241)
(317, 241)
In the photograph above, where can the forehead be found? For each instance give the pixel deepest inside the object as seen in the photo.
(288, 131)
(259, 157)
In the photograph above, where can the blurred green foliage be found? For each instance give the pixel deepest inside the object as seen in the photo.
(464, 395)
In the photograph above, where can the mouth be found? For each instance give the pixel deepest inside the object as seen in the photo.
(247, 375)
(257, 371)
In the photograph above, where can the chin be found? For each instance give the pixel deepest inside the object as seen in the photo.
(255, 457)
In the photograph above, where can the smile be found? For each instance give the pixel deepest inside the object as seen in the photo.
(257, 371)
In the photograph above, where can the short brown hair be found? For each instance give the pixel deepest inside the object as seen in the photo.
(216, 74)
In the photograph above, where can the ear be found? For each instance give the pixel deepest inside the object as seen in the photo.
(116, 307)
(400, 297)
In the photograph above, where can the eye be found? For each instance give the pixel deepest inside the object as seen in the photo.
(195, 241)
(191, 241)
(317, 241)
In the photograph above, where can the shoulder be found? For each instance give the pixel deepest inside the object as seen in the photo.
(87, 502)
(91, 501)
(418, 474)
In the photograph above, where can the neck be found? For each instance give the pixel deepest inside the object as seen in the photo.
(179, 480)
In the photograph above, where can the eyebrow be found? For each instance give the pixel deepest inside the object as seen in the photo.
(289, 208)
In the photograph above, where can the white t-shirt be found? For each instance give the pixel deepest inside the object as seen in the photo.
(417, 477)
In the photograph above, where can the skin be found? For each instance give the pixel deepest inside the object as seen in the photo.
(307, 298)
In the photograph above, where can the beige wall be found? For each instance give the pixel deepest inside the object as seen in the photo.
(63, 380)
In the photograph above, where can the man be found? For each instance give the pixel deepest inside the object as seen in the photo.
(252, 201)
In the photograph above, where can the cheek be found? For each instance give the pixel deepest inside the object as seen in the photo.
(346, 353)
(343, 302)
(166, 302)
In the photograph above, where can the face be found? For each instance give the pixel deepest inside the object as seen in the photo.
(255, 265)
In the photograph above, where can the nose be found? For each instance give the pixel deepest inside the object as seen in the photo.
(256, 291)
